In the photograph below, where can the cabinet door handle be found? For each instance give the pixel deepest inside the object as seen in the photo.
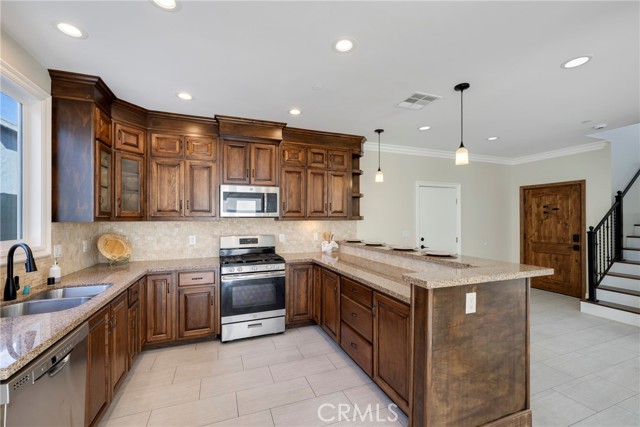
(119, 133)
(330, 207)
(187, 204)
(100, 199)
(283, 209)
(119, 202)
(373, 311)
(187, 146)
(325, 207)
(247, 173)
(180, 204)
(211, 298)
(168, 289)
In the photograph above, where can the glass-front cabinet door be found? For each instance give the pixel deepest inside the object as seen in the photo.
(104, 173)
(129, 196)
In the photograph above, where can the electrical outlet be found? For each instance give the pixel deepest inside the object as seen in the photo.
(57, 251)
(85, 246)
(192, 239)
(470, 306)
(281, 238)
(315, 237)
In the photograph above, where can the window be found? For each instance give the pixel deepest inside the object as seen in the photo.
(25, 164)
(10, 168)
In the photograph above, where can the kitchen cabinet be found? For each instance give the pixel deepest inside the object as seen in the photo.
(129, 186)
(160, 306)
(317, 294)
(293, 192)
(97, 390)
(249, 163)
(392, 348)
(104, 178)
(299, 288)
(327, 194)
(356, 316)
(331, 304)
(129, 138)
(118, 341)
(197, 304)
(102, 126)
(182, 188)
(134, 321)
(195, 147)
(293, 155)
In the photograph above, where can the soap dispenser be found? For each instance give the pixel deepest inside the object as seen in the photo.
(55, 272)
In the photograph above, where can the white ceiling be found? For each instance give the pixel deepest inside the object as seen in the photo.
(259, 59)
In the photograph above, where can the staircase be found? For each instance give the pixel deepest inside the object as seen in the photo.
(614, 268)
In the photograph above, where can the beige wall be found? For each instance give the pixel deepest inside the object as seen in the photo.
(594, 167)
(490, 197)
(389, 207)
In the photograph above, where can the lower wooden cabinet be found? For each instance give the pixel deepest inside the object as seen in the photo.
(135, 321)
(118, 341)
(331, 303)
(160, 307)
(392, 348)
(196, 312)
(97, 391)
(317, 294)
(299, 289)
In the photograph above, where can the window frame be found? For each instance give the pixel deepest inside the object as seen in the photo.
(36, 162)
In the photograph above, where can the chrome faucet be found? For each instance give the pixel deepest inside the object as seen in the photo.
(10, 288)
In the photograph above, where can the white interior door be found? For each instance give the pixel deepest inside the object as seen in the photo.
(438, 217)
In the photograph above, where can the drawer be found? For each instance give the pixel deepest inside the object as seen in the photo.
(357, 347)
(134, 293)
(357, 292)
(196, 278)
(357, 316)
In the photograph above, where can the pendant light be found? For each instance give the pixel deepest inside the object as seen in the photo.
(379, 176)
(462, 154)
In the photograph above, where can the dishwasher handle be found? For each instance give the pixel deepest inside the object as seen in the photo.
(55, 369)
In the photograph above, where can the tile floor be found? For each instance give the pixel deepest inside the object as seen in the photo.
(585, 371)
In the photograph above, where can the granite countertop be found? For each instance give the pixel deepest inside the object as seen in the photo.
(390, 272)
(26, 337)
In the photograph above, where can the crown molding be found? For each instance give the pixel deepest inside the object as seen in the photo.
(441, 154)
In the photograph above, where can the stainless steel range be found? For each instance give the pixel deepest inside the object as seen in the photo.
(252, 289)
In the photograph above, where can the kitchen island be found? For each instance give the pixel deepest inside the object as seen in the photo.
(467, 369)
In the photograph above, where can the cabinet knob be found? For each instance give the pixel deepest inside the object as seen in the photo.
(354, 345)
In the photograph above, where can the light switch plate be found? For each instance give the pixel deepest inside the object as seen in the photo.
(192, 239)
(57, 251)
(85, 246)
(281, 238)
(470, 306)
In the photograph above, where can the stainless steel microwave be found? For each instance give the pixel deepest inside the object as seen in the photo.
(249, 201)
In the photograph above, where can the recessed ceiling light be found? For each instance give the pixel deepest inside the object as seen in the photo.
(165, 4)
(70, 30)
(424, 128)
(295, 112)
(576, 62)
(493, 138)
(344, 45)
(184, 96)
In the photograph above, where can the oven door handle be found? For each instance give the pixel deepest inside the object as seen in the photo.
(244, 276)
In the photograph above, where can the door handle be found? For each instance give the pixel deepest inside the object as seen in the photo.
(422, 239)
(255, 325)
(576, 247)
(576, 238)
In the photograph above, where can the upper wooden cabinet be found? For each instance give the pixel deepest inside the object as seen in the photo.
(179, 146)
(328, 159)
(103, 181)
(293, 155)
(129, 187)
(293, 192)
(102, 126)
(249, 163)
(129, 138)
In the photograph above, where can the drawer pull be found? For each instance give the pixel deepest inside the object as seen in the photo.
(354, 345)
(255, 325)
(354, 314)
(354, 291)
(197, 278)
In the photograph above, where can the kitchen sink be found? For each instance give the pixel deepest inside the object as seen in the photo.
(75, 292)
(41, 306)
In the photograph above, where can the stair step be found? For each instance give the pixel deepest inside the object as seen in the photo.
(625, 276)
(626, 267)
(616, 306)
(620, 290)
(634, 237)
(629, 262)
(631, 249)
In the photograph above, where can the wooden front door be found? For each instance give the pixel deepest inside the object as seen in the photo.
(552, 225)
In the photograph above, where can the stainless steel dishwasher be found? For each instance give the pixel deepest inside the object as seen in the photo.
(49, 391)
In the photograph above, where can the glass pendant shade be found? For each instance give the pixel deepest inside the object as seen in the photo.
(462, 156)
(379, 176)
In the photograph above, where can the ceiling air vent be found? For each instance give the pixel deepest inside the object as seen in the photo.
(418, 100)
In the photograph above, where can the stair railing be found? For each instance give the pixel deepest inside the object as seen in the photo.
(604, 242)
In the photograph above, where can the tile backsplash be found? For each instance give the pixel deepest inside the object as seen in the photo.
(159, 240)
(170, 240)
